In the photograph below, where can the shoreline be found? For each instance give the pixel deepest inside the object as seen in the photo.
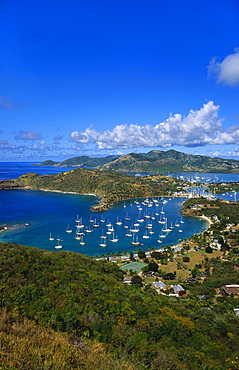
(66, 192)
(206, 219)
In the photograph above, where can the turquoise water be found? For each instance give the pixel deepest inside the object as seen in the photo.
(34, 215)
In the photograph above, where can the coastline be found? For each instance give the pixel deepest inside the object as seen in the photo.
(206, 219)
(66, 192)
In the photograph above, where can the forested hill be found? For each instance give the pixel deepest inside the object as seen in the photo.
(172, 161)
(110, 186)
(80, 161)
(64, 311)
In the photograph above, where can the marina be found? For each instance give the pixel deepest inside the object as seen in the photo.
(39, 218)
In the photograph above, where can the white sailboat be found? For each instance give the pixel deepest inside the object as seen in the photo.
(82, 241)
(165, 228)
(51, 237)
(68, 230)
(88, 229)
(161, 220)
(96, 224)
(118, 222)
(58, 246)
(114, 239)
(146, 235)
(102, 242)
(79, 223)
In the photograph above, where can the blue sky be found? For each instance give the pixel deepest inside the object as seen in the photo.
(112, 77)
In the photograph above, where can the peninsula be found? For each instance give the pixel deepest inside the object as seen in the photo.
(110, 186)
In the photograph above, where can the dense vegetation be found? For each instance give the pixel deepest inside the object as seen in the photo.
(224, 187)
(79, 308)
(172, 161)
(222, 212)
(110, 186)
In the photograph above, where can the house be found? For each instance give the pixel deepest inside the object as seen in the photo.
(191, 280)
(112, 259)
(178, 289)
(127, 279)
(125, 258)
(230, 289)
(160, 285)
(236, 310)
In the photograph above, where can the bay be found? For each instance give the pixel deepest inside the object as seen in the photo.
(34, 215)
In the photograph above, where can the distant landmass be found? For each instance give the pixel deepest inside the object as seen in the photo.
(155, 161)
(170, 161)
(81, 161)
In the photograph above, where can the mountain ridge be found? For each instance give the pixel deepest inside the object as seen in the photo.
(152, 161)
(171, 160)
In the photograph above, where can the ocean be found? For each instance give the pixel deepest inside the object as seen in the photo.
(34, 217)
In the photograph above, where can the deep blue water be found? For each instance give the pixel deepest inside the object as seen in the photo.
(12, 170)
(33, 215)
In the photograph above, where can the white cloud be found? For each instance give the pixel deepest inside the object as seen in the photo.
(228, 137)
(28, 135)
(199, 127)
(227, 71)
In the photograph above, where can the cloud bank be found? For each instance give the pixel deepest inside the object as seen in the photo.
(198, 128)
(28, 135)
(6, 103)
(226, 72)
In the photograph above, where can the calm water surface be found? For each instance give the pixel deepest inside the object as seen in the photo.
(34, 215)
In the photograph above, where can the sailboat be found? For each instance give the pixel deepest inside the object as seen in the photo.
(135, 240)
(78, 235)
(165, 228)
(149, 225)
(58, 246)
(102, 242)
(177, 223)
(88, 229)
(102, 219)
(110, 227)
(51, 237)
(146, 235)
(129, 234)
(127, 218)
(161, 220)
(95, 224)
(82, 241)
(114, 239)
(118, 222)
(79, 223)
(68, 230)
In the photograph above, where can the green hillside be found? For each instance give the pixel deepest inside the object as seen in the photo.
(62, 310)
(81, 161)
(109, 186)
(172, 161)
